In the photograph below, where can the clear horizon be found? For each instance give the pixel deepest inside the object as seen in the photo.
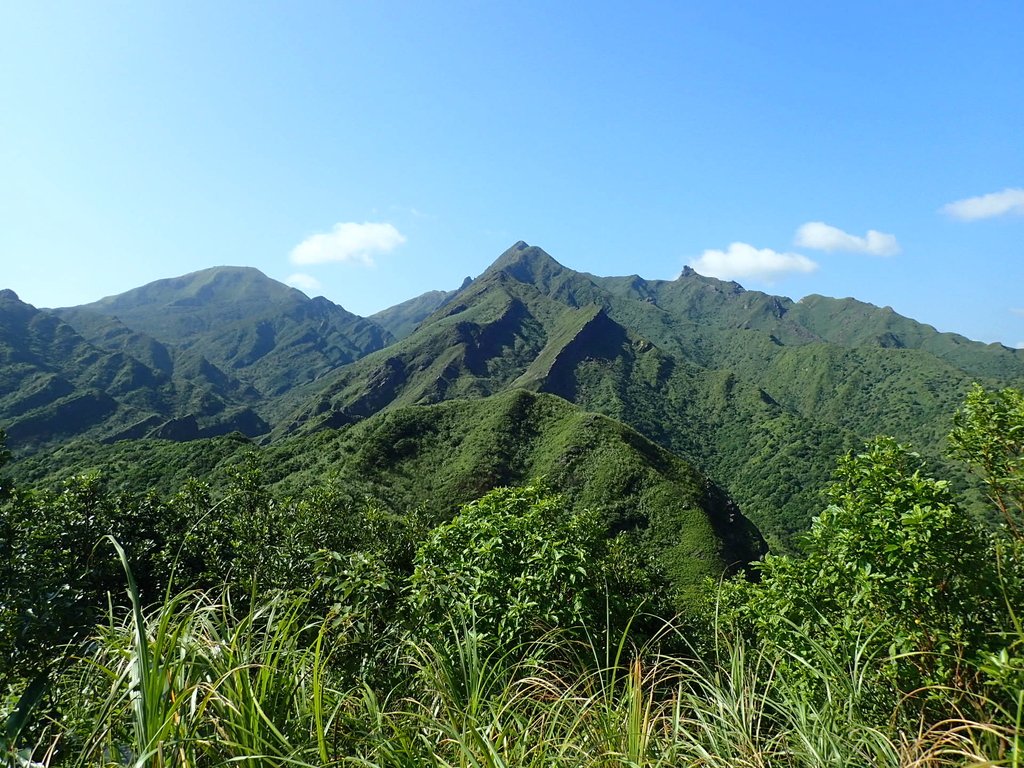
(372, 152)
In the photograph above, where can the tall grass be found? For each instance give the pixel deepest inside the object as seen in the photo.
(201, 680)
(542, 706)
(197, 681)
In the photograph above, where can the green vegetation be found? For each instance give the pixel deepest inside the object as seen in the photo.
(55, 385)
(894, 572)
(402, 319)
(760, 393)
(323, 629)
(507, 537)
(517, 559)
(988, 434)
(271, 337)
(197, 356)
(448, 454)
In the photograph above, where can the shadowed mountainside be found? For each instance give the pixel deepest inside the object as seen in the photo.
(56, 385)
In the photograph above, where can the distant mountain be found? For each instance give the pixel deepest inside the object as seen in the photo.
(55, 385)
(210, 352)
(758, 391)
(264, 333)
(402, 319)
(761, 392)
(725, 307)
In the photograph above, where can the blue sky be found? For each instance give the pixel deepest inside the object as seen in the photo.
(369, 152)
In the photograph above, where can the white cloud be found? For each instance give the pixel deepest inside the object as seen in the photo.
(824, 237)
(1020, 345)
(303, 282)
(741, 260)
(348, 241)
(1009, 201)
(1017, 310)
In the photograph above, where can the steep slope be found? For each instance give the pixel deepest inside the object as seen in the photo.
(459, 449)
(54, 385)
(261, 332)
(473, 347)
(439, 457)
(758, 391)
(402, 319)
(477, 343)
(111, 334)
(773, 458)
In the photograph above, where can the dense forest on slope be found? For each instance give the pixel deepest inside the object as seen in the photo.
(440, 457)
(314, 625)
(761, 393)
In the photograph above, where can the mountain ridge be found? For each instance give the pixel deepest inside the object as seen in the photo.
(55, 384)
(759, 391)
(712, 371)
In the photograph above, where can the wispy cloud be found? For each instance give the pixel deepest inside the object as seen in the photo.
(1009, 201)
(741, 260)
(1017, 310)
(411, 210)
(304, 282)
(825, 237)
(348, 242)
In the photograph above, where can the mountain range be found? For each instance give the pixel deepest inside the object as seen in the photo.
(758, 392)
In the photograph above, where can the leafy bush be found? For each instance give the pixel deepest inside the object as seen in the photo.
(988, 434)
(513, 561)
(897, 568)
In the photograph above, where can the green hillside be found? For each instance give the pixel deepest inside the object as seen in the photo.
(264, 333)
(758, 391)
(403, 318)
(55, 385)
(442, 456)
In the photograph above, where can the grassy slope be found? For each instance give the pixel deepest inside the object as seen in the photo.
(55, 385)
(402, 319)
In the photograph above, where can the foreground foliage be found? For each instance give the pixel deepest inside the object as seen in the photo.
(893, 566)
(197, 682)
(519, 633)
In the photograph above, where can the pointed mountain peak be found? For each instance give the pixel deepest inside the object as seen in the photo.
(525, 263)
(532, 266)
